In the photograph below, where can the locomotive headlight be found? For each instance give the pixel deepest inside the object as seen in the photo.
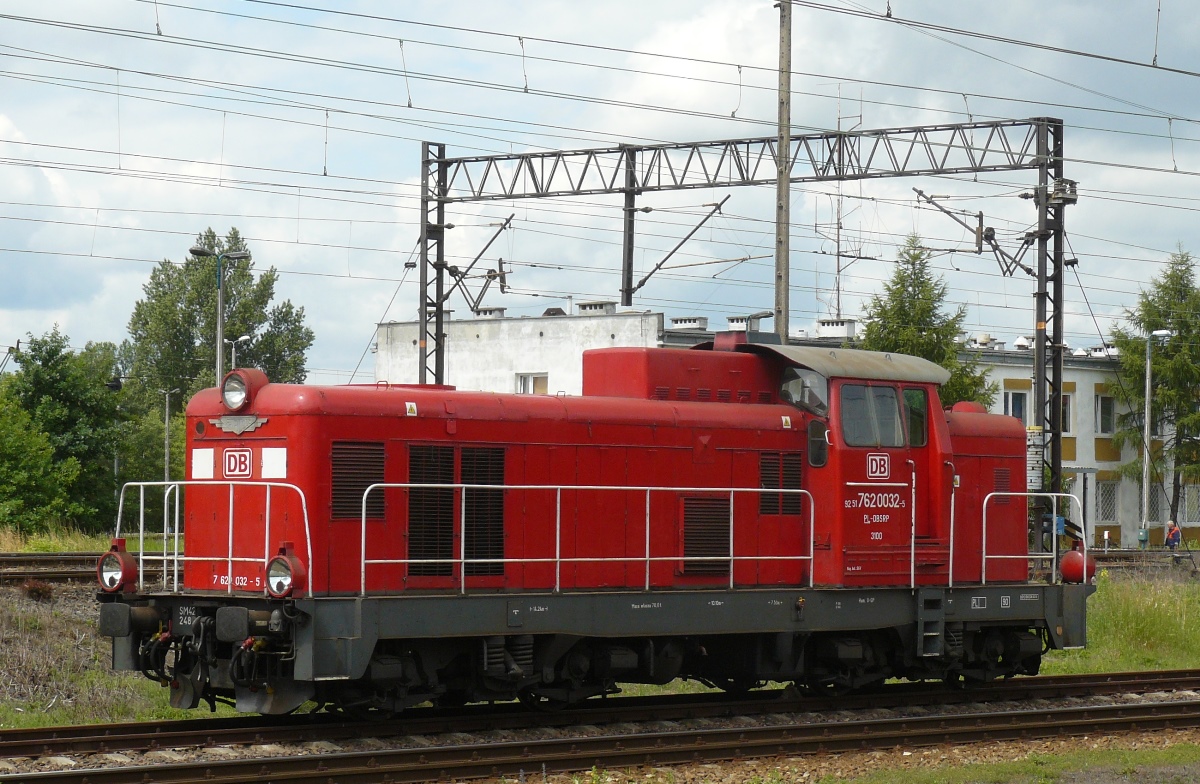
(117, 570)
(110, 571)
(286, 575)
(279, 577)
(233, 392)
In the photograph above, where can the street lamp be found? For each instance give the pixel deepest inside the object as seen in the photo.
(166, 458)
(1158, 334)
(233, 255)
(233, 350)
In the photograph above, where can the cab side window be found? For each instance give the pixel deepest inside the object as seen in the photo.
(871, 416)
(916, 413)
(805, 388)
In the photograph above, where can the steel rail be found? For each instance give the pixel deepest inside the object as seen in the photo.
(17, 567)
(90, 739)
(509, 758)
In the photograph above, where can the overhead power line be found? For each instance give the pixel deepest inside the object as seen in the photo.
(983, 36)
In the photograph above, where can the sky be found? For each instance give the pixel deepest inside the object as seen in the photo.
(127, 127)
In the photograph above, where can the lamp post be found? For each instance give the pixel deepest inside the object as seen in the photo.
(1158, 334)
(166, 457)
(233, 350)
(233, 255)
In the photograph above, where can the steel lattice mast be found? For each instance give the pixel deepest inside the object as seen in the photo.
(629, 170)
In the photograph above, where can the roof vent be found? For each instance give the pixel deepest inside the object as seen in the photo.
(490, 313)
(689, 322)
(836, 328)
(554, 312)
(597, 308)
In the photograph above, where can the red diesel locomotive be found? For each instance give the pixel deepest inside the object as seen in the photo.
(735, 513)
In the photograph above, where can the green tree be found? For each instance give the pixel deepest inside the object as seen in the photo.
(173, 328)
(1171, 302)
(908, 318)
(66, 396)
(32, 483)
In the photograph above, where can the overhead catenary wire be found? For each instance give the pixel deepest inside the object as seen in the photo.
(281, 184)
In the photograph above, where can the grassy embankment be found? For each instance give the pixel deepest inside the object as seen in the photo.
(53, 667)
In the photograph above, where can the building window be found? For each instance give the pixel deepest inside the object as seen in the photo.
(1068, 420)
(1106, 415)
(1106, 501)
(532, 383)
(1159, 504)
(1191, 505)
(1016, 404)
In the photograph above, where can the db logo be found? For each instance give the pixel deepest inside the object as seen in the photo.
(238, 463)
(879, 466)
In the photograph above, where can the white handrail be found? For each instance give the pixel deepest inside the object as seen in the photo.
(953, 490)
(912, 503)
(228, 558)
(1053, 555)
(558, 560)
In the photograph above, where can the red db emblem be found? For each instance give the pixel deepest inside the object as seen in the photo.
(879, 466)
(238, 463)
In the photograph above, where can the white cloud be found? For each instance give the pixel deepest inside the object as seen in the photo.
(95, 247)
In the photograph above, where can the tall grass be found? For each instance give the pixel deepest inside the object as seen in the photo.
(63, 539)
(1139, 622)
(56, 539)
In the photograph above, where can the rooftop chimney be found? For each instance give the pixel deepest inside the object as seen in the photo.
(597, 308)
(689, 322)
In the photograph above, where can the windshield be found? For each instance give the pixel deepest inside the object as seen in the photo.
(805, 389)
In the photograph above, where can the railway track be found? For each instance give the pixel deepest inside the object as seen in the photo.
(55, 567)
(1145, 560)
(608, 750)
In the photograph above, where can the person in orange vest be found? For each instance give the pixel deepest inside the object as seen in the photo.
(1174, 536)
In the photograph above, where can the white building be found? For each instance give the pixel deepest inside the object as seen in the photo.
(543, 355)
(540, 354)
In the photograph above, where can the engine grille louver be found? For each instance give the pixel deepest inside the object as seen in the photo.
(706, 534)
(780, 471)
(1003, 484)
(431, 510)
(355, 466)
(484, 508)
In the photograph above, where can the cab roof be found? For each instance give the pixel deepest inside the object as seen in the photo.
(856, 363)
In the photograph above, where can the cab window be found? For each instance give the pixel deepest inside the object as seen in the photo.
(916, 414)
(871, 416)
(805, 389)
